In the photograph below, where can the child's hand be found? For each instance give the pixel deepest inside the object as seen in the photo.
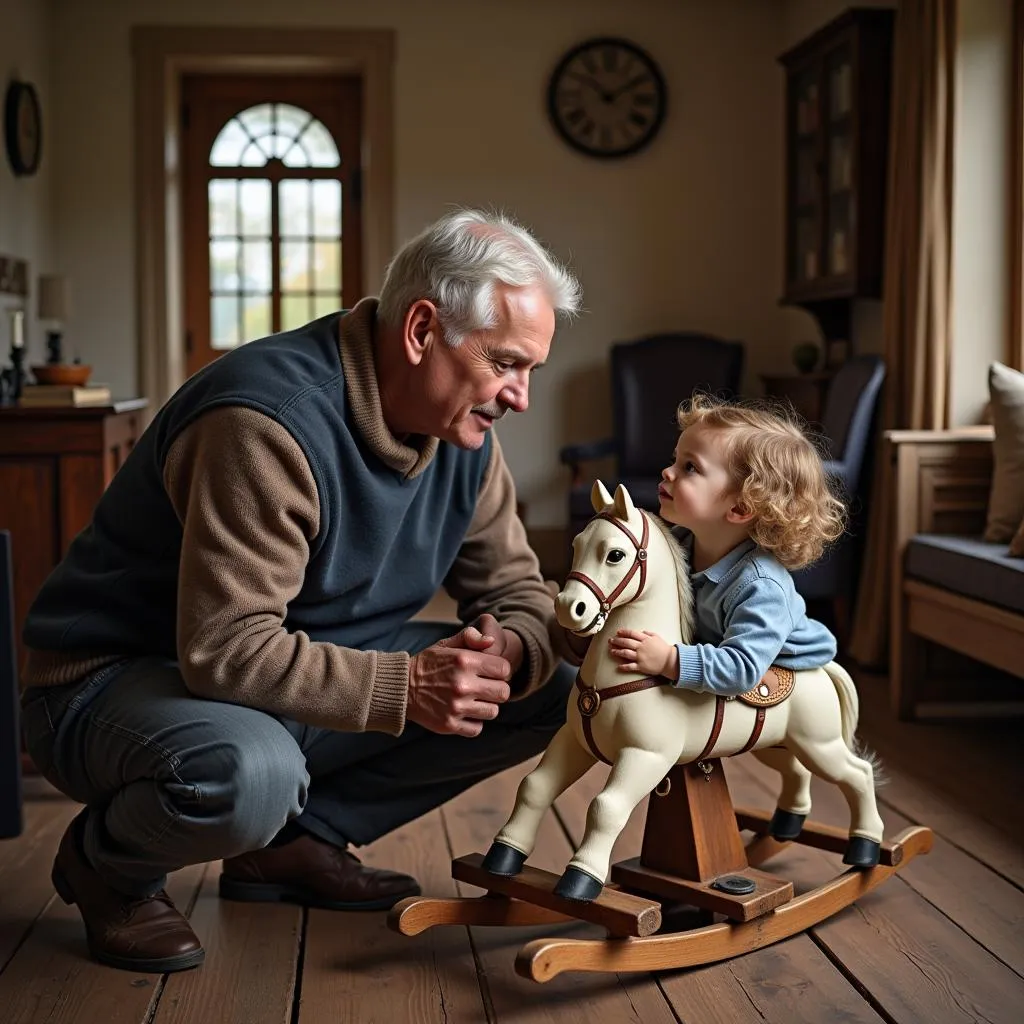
(644, 652)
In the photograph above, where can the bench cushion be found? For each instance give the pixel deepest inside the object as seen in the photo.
(968, 566)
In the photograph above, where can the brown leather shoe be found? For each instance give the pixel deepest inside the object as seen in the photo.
(313, 873)
(133, 933)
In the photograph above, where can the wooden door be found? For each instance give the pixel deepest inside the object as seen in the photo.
(271, 205)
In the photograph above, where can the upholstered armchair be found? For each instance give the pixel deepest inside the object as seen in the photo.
(650, 377)
(851, 405)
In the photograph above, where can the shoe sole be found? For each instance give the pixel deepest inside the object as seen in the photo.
(147, 965)
(265, 892)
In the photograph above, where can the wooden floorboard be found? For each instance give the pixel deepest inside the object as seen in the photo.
(939, 942)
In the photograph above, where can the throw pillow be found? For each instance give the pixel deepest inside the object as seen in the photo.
(1017, 544)
(1006, 498)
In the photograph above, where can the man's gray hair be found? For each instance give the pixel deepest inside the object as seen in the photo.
(456, 263)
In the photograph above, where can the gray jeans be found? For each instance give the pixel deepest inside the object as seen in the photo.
(170, 779)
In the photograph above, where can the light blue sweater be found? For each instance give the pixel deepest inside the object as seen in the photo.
(748, 618)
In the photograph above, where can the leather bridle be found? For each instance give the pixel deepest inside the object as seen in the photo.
(639, 565)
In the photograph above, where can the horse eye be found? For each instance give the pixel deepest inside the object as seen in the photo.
(615, 556)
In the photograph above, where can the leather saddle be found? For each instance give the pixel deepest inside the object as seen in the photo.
(774, 688)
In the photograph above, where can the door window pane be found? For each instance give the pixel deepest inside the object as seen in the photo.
(295, 268)
(256, 317)
(274, 130)
(295, 311)
(224, 321)
(224, 265)
(326, 208)
(324, 304)
(223, 207)
(327, 266)
(256, 266)
(254, 207)
(295, 198)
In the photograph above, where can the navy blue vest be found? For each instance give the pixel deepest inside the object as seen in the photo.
(384, 546)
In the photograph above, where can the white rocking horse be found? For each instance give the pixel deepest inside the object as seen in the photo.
(628, 572)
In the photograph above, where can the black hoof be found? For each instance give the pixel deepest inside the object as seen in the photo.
(862, 852)
(785, 825)
(578, 885)
(503, 860)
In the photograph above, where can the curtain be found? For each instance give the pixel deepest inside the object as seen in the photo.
(916, 296)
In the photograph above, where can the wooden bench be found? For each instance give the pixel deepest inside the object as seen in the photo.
(941, 486)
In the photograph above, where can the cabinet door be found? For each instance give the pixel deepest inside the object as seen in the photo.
(840, 171)
(806, 187)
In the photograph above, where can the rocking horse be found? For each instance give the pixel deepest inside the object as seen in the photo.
(628, 572)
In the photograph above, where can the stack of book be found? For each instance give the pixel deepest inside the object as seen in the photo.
(64, 394)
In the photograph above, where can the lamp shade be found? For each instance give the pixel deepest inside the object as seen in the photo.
(53, 297)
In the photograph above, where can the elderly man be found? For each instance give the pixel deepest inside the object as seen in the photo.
(223, 666)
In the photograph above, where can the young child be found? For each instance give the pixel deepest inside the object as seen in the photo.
(751, 492)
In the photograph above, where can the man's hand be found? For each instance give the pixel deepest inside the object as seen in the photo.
(644, 651)
(507, 642)
(457, 684)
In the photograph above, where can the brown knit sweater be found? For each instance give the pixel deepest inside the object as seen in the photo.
(249, 507)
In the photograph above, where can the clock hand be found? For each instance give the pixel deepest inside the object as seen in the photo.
(629, 85)
(594, 84)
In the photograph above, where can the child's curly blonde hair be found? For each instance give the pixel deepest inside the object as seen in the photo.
(780, 475)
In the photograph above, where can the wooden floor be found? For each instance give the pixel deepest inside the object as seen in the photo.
(941, 942)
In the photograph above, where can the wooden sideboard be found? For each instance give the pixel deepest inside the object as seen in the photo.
(54, 465)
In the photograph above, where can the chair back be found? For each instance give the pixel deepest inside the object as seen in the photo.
(10, 745)
(650, 377)
(849, 412)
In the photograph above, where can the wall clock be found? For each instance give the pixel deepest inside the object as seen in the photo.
(23, 129)
(607, 98)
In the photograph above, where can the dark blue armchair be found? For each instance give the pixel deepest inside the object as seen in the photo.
(650, 377)
(851, 405)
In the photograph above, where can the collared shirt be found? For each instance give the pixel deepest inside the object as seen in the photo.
(749, 617)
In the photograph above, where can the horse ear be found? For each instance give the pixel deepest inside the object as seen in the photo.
(599, 496)
(623, 503)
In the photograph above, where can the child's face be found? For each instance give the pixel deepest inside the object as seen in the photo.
(696, 490)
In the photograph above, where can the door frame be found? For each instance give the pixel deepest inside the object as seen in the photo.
(161, 55)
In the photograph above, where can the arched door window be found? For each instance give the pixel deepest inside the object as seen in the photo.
(271, 209)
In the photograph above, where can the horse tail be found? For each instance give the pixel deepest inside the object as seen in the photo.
(849, 703)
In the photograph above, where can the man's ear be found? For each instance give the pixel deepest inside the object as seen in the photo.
(739, 514)
(420, 330)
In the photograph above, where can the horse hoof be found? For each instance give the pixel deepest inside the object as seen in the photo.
(862, 852)
(503, 860)
(785, 825)
(578, 885)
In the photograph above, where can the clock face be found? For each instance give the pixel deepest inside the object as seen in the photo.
(22, 128)
(607, 98)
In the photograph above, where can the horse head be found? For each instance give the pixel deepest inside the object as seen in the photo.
(609, 563)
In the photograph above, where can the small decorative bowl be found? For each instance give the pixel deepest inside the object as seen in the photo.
(67, 374)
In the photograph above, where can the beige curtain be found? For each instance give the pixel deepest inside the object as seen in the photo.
(916, 311)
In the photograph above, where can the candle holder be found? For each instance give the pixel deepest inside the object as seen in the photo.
(12, 377)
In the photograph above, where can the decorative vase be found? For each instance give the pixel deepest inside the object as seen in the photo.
(805, 356)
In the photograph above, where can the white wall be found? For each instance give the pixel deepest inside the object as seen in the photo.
(981, 212)
(25, 222)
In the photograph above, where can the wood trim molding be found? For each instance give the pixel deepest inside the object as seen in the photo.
(1015, 341)
(161, 55)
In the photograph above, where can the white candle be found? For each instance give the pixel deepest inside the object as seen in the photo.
(17, 329)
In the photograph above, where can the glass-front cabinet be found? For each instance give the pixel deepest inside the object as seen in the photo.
(837, 122)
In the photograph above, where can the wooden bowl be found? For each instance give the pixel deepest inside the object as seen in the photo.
(67, 374)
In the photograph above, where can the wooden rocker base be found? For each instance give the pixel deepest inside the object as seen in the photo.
(681, 870)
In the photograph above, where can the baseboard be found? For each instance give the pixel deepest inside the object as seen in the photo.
(552, 547)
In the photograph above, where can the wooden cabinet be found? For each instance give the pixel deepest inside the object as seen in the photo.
(805, 391)
(837, 128)
(54, 465)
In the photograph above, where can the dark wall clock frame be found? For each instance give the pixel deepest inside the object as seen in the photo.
(607, 98)
(23, 128)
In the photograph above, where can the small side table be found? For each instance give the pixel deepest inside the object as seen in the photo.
(804, 391)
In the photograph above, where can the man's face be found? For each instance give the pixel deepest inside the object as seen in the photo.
(470, 387)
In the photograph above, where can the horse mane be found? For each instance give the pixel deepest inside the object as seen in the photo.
(682, 577)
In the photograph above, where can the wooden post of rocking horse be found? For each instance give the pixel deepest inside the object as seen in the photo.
(693, 852)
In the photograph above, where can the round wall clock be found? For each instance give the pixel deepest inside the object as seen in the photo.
(23, 129)
(607, 98)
